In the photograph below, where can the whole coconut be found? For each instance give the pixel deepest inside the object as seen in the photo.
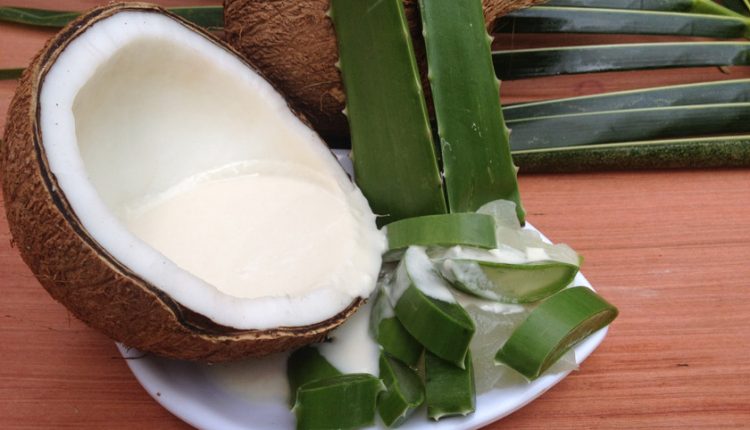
(294, 44)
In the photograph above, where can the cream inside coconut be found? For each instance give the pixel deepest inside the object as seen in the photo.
(190, 170)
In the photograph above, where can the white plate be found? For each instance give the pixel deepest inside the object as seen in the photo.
(190, 392)
(194, 394)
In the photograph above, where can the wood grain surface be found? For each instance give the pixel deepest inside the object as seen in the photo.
(669, 248)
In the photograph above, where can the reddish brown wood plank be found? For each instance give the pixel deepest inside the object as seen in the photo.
(669, 248)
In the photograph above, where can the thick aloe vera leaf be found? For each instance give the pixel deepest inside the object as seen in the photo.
(552, 328)
(391, 334)
(476, 157)
(527, 63)
(509, 283)
(730, 91)
(723, 151)
(629, 125)
(545, 19)
(392, 148)
(6, 74)
(468, 229)
(404, 391)
(340, 402)
(427, 309)
(449, 390)
(211, 17)
(306, 365)
(695, 6)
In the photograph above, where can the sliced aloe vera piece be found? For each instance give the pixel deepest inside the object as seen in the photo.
(427, 309)
(723, 151)
(528, 63)
(211, 17)
(468, 229)
(476, 156)
(554, 327)
(720, 92)
(630, 125)
(391, 334)
(449, 390)
(509, 283)
(307, 365)
(340, 402)
(392, 149)
(405, 391)
(695, 6)
(546, 19)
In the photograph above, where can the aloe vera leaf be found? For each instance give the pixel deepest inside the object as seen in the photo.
(730, 91)
(468, 229)
(211, 17)
(404, 391)
(8, 74)
(552, 328)
(527, 63)
(391, 334)
(694, 6)
(509, 283)
(543, 19)
(306, 365)
(477, 163)
(630, 125)
(444, 329)
(723, 151)
(449, 390)
(425, 306)
(340, 402)
(392, 149)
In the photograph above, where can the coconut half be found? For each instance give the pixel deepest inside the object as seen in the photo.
(165, 192)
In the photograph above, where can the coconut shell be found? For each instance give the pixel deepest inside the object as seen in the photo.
(294, 44)
(79, 273)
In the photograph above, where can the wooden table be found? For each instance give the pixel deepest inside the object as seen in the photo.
(670, 248)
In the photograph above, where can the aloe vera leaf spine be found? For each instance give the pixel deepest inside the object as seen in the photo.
(393, 152)
(477, 163)
(546, 19)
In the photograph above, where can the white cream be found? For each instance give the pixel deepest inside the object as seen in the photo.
(351, 348)
(417, 269)
(276, 235)
(258, 380)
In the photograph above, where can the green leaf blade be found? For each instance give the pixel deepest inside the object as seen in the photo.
(449, 390)
(720, 92)
(629, 125)
(467, 229)
(544, 19)
(477, 163)
(392, 149)
(528, 63)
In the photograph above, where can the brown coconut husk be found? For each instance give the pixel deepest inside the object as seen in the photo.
(81, 274)
(294, 44)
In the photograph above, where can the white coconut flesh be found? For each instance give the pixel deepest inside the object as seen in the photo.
(190, 170)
